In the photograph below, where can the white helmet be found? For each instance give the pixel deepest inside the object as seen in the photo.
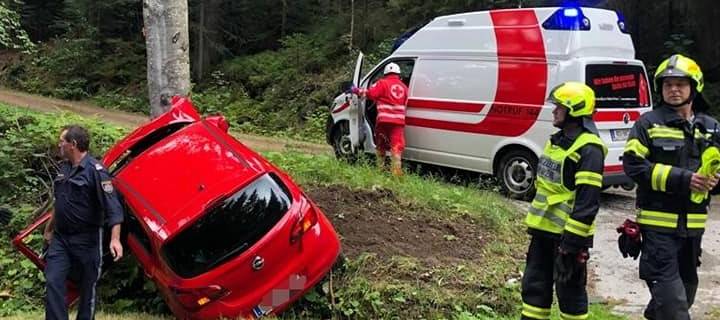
(392, 67)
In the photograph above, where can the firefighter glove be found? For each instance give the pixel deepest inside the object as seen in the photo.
(630, 240)
(571, 267)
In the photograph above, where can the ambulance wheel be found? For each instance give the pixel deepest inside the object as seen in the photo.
(341, 142)
(516, 174)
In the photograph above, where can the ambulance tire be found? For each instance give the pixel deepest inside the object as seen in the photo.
(341, 142)
(516, 174)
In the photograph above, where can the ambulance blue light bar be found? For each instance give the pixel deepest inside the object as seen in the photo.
(567, 18)
(621, 23)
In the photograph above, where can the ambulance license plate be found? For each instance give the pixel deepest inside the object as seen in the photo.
(619, 134)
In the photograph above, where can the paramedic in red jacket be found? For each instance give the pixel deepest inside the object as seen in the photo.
(390, 95)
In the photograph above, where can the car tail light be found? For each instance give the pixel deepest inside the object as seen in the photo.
(306, 221)
(196, 298)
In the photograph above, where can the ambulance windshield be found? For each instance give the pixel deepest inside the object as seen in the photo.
(618, 85)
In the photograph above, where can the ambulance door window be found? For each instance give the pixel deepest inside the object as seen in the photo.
(406, 69)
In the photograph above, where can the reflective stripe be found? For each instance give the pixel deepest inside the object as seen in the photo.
(579, 228)
(696, 220)
(666, 132)
(589, 178)
(562, 206)
(573, 317)
(657, 218)
(535, 312)
(659, 176)
(549, 214)
(574, 156)
(636, 147)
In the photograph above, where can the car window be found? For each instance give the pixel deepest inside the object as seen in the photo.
(229, 228)
(406, 69)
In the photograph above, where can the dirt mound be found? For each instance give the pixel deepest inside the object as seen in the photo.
(377, 222)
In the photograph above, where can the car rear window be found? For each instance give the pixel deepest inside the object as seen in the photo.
(618, 85)
(229, 228)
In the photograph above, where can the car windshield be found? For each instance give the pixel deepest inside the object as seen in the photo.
(229, 228)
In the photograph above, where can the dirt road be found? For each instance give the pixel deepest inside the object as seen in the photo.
(614, 279)
(132, 120)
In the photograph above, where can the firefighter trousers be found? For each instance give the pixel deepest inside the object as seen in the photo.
(668, 265)
(538, 281)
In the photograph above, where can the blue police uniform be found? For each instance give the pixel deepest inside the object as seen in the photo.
(85, 202)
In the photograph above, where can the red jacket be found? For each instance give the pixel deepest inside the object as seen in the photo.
(391, 95)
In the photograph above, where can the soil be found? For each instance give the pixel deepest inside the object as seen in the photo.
(376, 222)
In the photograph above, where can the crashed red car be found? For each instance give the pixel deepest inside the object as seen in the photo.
(221, 231)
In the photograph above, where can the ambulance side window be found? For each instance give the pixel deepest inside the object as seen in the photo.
(406, 69)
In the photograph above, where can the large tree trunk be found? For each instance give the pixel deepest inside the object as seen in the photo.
(168, 61)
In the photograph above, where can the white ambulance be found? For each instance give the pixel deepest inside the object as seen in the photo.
(478, 83)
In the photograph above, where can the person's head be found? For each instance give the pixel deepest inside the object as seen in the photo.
(74, 140)
(679, 80)
(391, 68)
(574, 105)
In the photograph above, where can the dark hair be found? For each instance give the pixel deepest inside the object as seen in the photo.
(79, 135)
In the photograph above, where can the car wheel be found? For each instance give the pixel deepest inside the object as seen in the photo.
(342, 144)
(516, 174)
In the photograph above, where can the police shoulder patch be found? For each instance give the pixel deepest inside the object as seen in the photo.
(98, 167)
(107, 186)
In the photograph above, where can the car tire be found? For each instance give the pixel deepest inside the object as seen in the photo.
(341, 143)
(516, 174)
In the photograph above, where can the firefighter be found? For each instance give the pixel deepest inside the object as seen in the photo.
(561, 218)
(390, 95)
(663, 155)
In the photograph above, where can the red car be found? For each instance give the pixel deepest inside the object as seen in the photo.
(221, 231)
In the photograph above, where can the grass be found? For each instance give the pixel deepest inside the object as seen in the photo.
(406, 287)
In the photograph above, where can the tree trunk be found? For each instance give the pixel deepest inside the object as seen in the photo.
(352, 24)
(284, 18)
(166, 39)
(200, 62)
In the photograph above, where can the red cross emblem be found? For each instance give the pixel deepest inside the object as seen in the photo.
(397, 91)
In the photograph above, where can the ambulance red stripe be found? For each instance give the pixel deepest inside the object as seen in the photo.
(521, 82)
(608, 116)
(445, 105)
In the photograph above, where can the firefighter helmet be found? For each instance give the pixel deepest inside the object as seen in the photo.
(682, 67)
(577, 97)
(392, 67)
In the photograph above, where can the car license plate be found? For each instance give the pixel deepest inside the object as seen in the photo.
(619, 134)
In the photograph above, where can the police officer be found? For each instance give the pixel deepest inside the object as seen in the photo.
(85, 202)
(662, 155)
(561, 217)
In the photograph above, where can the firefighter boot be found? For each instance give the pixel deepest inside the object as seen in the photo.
(396, 166)
(380, 160)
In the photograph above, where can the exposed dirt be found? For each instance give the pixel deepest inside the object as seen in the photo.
(376, 222)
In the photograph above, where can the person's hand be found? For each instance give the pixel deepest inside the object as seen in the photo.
(116, 249)
(355, 90)
(713, 181)
(569, 266)
(47, 235)
(700, 183)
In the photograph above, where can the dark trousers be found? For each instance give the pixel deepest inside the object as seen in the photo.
(81, 256)
(669, 266)
(538, 281)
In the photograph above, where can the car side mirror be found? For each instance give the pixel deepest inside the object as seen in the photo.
(345, 86)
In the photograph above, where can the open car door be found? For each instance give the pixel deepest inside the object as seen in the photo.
(357, 110)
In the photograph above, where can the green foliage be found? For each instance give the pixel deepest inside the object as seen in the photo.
(12, 35)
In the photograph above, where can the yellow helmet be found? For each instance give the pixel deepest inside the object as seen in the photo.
(576, 96)
(679, 66)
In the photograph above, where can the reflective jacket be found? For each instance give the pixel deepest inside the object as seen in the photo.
(391, 95)
(662, 152)
(569, 181)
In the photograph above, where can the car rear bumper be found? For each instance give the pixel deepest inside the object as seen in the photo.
(322, 248)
